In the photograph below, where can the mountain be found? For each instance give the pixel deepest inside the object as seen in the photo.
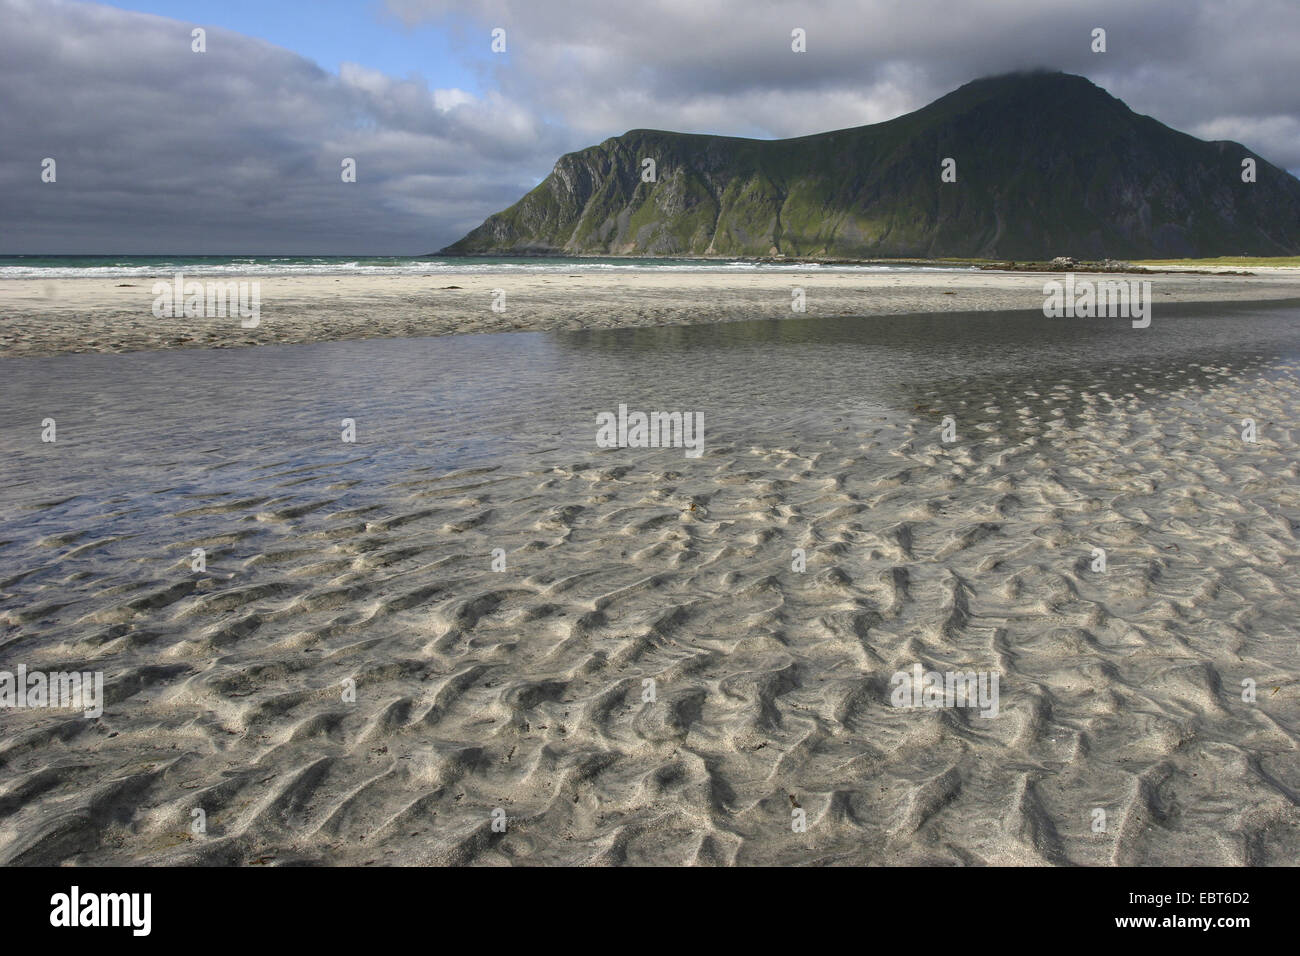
(1047, 164)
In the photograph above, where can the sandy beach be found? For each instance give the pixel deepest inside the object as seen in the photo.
(50, 316)
(650, 676)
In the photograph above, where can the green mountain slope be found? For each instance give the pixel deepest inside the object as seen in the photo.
(1047, 164)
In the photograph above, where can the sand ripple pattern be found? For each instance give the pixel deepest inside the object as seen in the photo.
(523, 689)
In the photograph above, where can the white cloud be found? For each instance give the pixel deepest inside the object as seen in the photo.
(727, 67)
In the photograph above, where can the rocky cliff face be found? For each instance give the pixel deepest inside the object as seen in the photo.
(1046, 163)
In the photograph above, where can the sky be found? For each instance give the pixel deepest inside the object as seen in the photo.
(159, 149)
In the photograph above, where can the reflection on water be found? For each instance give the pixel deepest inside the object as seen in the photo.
(889, 360)
(180, 421)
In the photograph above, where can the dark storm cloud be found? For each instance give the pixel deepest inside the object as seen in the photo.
(159, 148)
(238, 149)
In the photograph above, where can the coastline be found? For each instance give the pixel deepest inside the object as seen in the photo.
(78, 315)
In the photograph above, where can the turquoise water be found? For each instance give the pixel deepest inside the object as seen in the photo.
(61, 267)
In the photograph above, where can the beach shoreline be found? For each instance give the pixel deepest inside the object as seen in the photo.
(110, 314)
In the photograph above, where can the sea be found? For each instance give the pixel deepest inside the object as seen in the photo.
(121, 267)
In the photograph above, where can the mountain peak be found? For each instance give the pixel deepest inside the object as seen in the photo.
(1042, 163)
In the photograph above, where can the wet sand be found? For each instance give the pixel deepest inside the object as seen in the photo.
(523, 691)
(44, 317)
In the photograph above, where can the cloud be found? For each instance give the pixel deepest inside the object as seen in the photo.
(239, 149)
(727, 66)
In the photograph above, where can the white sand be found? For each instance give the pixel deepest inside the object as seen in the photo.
(115, 315)
(523, 690)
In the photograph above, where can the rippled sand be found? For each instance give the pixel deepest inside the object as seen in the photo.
(523, 689)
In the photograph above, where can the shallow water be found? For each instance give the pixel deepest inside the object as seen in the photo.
(482, 689)
(141, 435)
(146, 422)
